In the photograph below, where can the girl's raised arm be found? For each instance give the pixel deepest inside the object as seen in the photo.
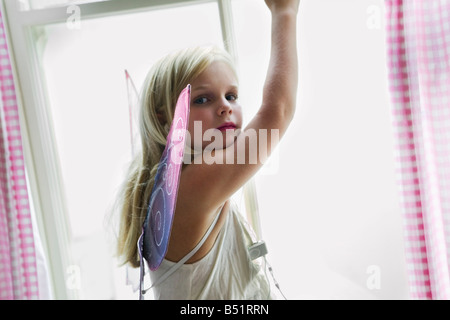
(204, 187)
(280, 88)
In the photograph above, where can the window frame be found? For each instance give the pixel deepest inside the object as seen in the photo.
(26, 40)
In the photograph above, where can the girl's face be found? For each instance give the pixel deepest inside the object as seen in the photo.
(214, 104)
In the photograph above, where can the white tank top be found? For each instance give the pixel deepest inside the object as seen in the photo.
(225, 273)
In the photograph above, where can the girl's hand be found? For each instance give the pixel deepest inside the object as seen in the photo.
(281, 5)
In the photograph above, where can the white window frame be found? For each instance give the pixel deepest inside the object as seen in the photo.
(41, 154)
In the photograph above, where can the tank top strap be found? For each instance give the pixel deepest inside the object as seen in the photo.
(176, 266)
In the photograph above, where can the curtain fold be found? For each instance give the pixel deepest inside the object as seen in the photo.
(18, 273)
(418, 58)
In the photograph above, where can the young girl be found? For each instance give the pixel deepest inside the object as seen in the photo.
(222, 267)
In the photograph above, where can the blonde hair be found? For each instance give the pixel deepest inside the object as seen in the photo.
(162, 86)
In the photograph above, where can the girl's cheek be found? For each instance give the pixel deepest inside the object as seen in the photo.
(238, 115)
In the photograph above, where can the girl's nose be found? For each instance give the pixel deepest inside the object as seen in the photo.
(224, 108)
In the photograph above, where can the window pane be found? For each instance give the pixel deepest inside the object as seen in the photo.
(85, 77)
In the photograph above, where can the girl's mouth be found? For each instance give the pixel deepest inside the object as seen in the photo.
(227, 126)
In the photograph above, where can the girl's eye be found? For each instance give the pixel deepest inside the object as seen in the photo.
(201, 100)
(231, 97)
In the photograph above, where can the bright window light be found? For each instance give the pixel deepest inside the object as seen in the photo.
(329, 206)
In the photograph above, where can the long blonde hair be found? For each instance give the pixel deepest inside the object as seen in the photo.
(162, 86)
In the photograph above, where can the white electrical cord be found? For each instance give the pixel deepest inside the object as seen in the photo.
(273, 277)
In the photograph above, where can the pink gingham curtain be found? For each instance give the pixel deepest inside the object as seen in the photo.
(418, 53)
(18, 273)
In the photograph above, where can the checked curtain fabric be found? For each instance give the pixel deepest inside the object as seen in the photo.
(418, 58)
(18, 272)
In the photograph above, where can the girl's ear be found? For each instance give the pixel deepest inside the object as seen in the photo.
(163, 121)
(161, 118)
